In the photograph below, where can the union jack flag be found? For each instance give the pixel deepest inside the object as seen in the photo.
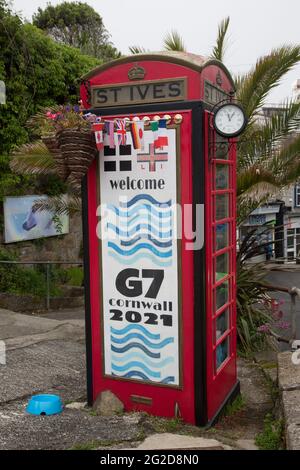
(121, 132)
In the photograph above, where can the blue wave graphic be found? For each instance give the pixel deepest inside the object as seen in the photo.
(133, 365)
(136, 210)
(168, 380)
(148, 343)
(135, 355)
(167, 244)
(139, 228)
(132, 374)
(134, 327)
(147, 197)
(141, 375)
(135, 345)
(145, 220)
(141, 246)
(126, 262)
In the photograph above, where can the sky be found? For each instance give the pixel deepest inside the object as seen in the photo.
(256, 27)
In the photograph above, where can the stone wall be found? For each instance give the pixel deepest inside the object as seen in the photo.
(66, 248)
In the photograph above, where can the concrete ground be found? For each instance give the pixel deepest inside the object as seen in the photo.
(47, 354)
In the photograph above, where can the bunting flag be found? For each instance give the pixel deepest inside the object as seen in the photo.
(110, 133)
(154, 128)
(162, 140)
(121, 132)
(98, 131)
(137, 134)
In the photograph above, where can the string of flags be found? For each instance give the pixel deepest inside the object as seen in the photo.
(105, 132)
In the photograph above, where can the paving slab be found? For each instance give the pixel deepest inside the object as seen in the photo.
(291, 406)
(288, 373)
(293, 436)
(168, 441)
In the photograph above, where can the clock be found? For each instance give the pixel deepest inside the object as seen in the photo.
(229, 120)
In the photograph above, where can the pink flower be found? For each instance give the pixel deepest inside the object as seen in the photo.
(264, 328)
(283, 325)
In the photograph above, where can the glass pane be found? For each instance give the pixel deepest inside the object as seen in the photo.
(222, 266)
(222, 209)
(222, 176)
(222, 146)
(222, 352)
(290, 242)
(222, 324)
(222, 236)
(221, 295)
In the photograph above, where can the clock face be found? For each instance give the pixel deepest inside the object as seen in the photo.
(229, 120)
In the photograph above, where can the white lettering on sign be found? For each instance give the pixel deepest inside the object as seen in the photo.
(139, 262)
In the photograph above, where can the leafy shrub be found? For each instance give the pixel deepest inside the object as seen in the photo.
(75, 276)
(271, 438)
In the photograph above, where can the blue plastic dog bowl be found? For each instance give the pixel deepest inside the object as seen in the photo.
(45, 405)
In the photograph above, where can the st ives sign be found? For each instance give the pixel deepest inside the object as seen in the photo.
(139, 93)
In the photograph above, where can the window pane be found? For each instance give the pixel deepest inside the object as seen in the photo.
(222, 209)
(222, 324)
(290, 241)
(222, 146)
(222, 236)
(222, 176)
(221, 295)
(222, 266)
(222, 352)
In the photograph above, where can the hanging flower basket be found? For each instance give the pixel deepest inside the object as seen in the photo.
(78, 150)
(69, 138)
(52, 145)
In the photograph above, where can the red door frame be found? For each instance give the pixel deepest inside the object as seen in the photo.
(220, 381)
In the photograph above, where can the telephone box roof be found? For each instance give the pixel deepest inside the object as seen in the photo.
(187, 59)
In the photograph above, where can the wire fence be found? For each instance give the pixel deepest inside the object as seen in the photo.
(43, 281)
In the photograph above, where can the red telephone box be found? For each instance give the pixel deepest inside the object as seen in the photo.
(161, 289)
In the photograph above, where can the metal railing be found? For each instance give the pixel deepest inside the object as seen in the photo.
(47, 273)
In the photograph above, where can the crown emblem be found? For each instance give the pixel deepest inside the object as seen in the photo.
(136, 73)
(219, 80)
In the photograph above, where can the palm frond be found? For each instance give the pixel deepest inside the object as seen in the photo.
(174, 42)
(265, 76)
(286, 162)
(33, 159)
(256, 180)
(220, 47)
(63, 204)
(259, 141)
(137, 50)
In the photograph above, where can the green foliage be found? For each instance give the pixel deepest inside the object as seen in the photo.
(220, 47)
(271, 438)
(15, 279)
(137, 50)
(253, 300)
(174, 42)
(10, 183)
(38, 72)
(266, 75)
(78, 25)
(235, 407)
(75, 276)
